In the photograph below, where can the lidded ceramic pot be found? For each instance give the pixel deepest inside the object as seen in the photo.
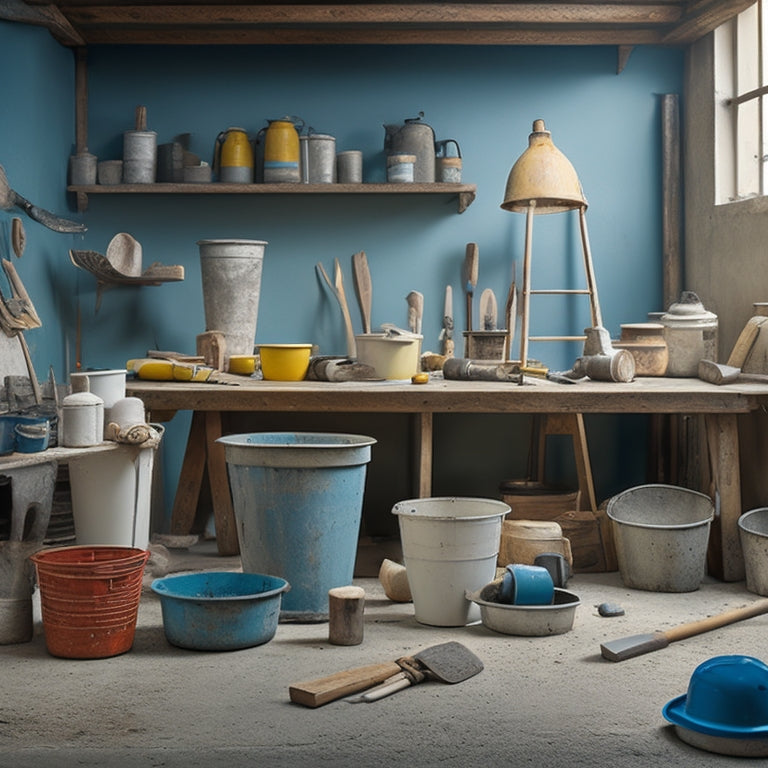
(691, 335)
(82, 420)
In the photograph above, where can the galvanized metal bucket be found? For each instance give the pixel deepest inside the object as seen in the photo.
(661, 534)
(753, 534)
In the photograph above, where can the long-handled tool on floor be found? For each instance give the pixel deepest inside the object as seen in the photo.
(637, 645)
(448, 662)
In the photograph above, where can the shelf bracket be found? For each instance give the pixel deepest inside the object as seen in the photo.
(465, 200)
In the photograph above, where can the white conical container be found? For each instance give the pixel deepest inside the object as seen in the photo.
(231, 277)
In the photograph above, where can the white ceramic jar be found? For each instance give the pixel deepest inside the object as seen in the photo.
(691, 335)
(82, 420)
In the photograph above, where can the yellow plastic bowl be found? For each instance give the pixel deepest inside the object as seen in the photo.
(285, 362)
(242, 364)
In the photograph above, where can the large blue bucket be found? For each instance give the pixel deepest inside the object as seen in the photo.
(298, 501)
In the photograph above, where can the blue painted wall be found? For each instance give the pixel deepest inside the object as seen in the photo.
(608, 125)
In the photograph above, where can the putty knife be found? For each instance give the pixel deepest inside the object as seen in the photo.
(450, 662)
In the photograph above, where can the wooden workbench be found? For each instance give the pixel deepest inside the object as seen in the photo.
(720, 406)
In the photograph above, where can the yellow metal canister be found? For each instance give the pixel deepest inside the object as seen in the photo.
(281, 151)
(233, 156)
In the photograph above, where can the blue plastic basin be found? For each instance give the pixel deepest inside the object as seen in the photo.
(220, 610)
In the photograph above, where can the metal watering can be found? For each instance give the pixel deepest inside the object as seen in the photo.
(413, 137)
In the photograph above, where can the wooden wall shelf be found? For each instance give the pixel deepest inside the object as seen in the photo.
(514, 22)
(465, 193)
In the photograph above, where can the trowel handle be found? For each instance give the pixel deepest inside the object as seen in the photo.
(692, 628)
(315, 693)
(390, 685)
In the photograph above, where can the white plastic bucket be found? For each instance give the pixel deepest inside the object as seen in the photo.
(450, 546)
(112, 495)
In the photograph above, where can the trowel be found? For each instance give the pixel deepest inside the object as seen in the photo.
(9, 199)
(449, 662)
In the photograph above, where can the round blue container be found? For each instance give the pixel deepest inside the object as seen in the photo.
(220, 610)
(298, 502)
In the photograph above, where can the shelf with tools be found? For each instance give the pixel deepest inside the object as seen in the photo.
(465, 193)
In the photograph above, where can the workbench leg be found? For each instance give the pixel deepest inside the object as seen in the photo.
(422, 452)
(571, 424)
(223, 511)
(725, 559)
(190, 478)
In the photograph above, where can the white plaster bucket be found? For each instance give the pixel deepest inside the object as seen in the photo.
(450, 546)
(112, 495)
(231, 276)
(16, 620)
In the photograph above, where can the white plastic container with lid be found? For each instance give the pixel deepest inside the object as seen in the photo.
(82, 420)
(691, 335)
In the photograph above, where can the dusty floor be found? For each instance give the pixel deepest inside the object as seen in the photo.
(549, 701)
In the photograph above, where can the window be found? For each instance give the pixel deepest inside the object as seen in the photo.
(741, 109)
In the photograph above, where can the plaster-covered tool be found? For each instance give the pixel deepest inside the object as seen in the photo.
(363, 287)
(717, 373)
(10, 199)
(471, 265)
(637, 645)
(337, 286)
(449, 662)
(446, 335)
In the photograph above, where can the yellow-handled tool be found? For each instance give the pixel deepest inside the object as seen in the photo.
(155, 369)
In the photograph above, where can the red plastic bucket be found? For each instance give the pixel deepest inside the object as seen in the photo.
(89, 599)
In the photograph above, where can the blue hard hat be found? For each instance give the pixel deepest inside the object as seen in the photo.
(727, 696)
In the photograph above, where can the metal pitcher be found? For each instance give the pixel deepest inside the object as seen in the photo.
(414, 137)
(233, 157)
(281, 150)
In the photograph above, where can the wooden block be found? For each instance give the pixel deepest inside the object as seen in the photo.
(315, 693)
(345, 607)
(212, 346)
(583, 531)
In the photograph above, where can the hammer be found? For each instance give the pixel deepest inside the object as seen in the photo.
(717, 373)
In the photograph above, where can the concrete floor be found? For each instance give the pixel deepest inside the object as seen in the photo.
(547, 701)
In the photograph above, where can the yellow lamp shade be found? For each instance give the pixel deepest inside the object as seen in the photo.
(543, 176)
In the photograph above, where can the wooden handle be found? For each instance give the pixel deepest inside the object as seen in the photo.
(364, 288)
(141, 118)
(472, 264)
(713, 622)
(350, 334)
(315, 693)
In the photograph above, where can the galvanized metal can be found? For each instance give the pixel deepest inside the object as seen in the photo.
(321, 156)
